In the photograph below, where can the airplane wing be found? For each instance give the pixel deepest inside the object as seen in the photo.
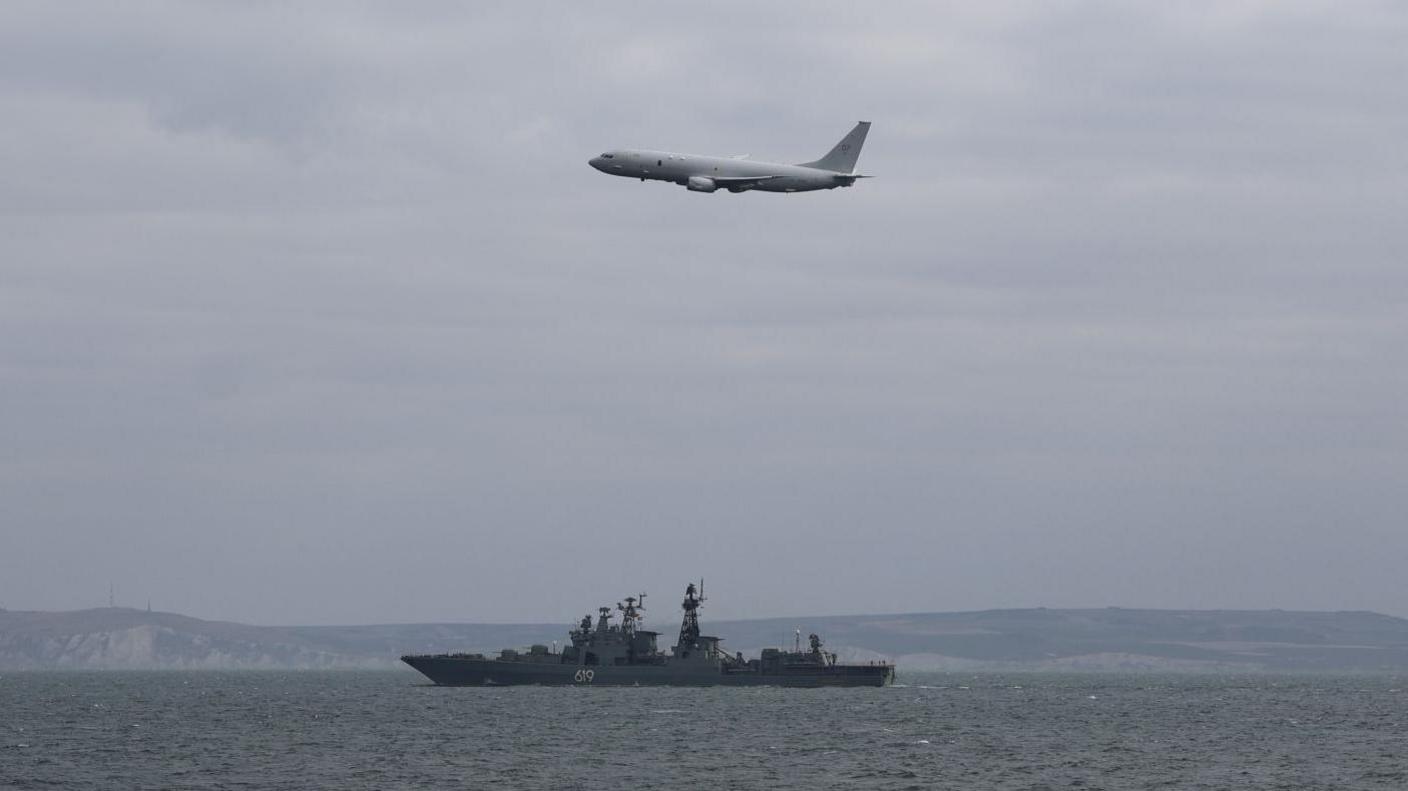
(733, 181)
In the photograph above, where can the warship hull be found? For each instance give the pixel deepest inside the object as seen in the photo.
(450, 670)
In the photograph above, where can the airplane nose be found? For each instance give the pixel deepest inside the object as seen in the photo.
(595, 162)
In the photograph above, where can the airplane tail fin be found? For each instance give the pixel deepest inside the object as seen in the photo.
(842, 158)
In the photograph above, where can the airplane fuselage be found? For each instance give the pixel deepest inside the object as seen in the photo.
(718, 171)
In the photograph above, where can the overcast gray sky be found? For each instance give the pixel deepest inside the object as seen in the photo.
(314, 313)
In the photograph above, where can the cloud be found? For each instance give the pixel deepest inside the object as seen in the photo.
(315, 312)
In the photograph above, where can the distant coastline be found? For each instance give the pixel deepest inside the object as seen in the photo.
(1070, 640)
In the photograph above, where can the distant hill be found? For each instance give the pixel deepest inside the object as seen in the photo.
(122, 638)
(1109, 639)
(1008, 640)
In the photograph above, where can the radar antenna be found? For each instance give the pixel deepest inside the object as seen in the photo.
(631, 612)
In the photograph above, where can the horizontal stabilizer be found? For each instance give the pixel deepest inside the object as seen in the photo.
(847, 179)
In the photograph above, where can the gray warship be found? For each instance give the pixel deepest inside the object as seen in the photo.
(623, 654)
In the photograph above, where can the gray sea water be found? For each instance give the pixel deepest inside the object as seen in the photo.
(350, 731)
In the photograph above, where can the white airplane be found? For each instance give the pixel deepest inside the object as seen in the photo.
(739, 174)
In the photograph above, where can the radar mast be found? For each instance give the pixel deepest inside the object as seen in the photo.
(689, 627)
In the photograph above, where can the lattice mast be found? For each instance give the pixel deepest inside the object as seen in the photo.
(689, 627)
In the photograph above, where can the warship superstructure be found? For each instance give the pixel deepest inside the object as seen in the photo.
(624, 654)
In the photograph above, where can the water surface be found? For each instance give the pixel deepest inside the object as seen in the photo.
(388, 730)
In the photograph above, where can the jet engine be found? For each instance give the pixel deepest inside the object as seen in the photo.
(701, 184)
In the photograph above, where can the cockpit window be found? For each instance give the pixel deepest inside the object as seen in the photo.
(608, 156)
